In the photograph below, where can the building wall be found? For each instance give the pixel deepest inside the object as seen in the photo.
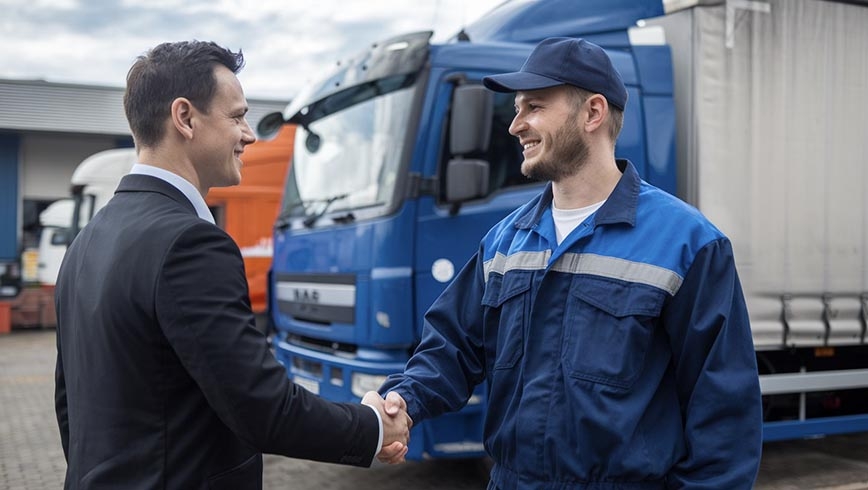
(50, 158)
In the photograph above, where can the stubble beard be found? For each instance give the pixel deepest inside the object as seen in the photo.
(568, 154)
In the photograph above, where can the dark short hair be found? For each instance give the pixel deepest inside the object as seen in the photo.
(166, 72)
(616, 115)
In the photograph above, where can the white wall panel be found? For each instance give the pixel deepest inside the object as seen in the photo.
(49, 160)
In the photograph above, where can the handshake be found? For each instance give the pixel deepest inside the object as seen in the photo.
(396, 425)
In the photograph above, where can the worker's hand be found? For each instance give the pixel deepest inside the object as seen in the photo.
(396, 426)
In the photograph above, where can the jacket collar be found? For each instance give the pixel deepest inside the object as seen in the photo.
(620, 206)
(147, 183)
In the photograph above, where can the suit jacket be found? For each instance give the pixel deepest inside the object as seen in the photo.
(162, 379)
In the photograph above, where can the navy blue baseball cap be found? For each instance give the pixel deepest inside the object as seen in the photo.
(565, 61)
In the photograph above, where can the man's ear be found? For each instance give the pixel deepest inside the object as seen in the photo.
(182, 117)
(598, 109)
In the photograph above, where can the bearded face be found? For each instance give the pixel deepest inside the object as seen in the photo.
(547, 126)
(560, 154)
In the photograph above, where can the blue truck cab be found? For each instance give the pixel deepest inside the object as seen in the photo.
(402, 162)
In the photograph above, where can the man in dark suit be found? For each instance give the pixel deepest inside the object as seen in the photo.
(162, 379)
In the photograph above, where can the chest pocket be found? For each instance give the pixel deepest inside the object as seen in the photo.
(506, 301)
(608, 327)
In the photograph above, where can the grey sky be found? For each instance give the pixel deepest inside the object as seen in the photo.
(286, 42)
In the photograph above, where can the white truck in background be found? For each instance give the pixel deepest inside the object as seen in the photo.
(56, 222)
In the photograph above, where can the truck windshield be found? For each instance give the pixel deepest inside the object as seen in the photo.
(349, 159)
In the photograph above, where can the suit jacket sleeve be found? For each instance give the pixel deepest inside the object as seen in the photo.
(60, 402)
(203, 308)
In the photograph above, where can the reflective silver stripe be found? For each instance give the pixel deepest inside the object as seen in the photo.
(526, 261)
(615, 268)
(317, 292)
(391, 272)
(597, 265)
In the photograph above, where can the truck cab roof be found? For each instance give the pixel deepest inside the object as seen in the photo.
(105, 167)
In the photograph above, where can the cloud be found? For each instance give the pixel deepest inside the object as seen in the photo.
(286, 43)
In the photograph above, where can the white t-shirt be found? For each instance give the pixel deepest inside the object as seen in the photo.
(566, 220)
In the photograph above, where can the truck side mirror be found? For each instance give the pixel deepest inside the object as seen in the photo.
(470, 123)
(269, 125)
(470, 120)
(466, 179)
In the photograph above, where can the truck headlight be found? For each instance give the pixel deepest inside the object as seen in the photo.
(363, 383)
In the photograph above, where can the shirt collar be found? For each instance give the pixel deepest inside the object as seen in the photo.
(180, 183)
(620, 206)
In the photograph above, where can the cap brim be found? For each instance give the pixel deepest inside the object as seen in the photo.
(519, 81)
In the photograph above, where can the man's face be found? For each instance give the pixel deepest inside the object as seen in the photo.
(546, 124)
(221, 133)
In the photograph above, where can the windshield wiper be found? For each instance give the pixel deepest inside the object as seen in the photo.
(310, 220)
(285, 217)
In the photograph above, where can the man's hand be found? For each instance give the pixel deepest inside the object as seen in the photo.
(396, 425)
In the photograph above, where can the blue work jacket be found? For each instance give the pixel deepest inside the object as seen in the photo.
(621, 358)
